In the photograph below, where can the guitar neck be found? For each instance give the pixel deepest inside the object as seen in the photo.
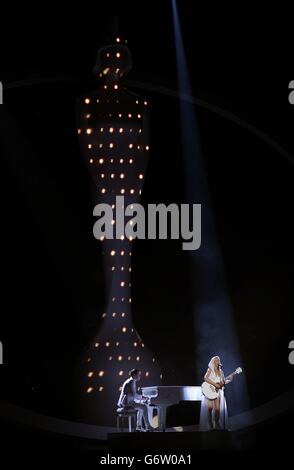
(233, 373)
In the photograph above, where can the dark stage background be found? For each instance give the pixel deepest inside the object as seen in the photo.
(52, 282)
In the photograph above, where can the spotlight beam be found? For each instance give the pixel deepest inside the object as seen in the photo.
(213, 316)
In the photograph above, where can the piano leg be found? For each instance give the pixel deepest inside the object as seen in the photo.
(151, 409)
(162, 418)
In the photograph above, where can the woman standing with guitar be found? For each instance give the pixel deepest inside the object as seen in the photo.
(213, 395)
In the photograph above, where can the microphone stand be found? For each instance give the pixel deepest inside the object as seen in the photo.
(224, 398)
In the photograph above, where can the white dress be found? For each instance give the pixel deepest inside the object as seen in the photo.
(204, 413)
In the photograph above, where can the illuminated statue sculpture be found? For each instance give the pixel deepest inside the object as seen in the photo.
(112, 128)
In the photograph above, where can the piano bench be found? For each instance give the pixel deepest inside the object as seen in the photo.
(122, 415)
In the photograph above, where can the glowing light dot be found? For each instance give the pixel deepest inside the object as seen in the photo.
(103, 315)
(138, 358)
(129, 115)
(111, 130)
(90, 389)
(115, 87)
(122, 237)
(145, 103)
(112, 175)
(100, 146)
(122, 284)
(110, 358)
(117, 39)
(114, 314)
(121, 160)
(122, 176)
(88, 116)
(79, 131)
(111, 146)
(112, 253)
(135, 344)
(132, 192)
(107, 344)
(122, 191)
(103, 190)
(101, 373)
(96, 345)
(105, 87)
(120, 115)
(123, 314)
(139, 116)
(90, 374)
(89, 146)
(137, 101)
(131, 160)
(131, 146)
(121, 130)
(89, 131)
(91, 160)
(140, 176)
(121, 373)
(102, 238)
(130, 238)
(100, 389)
(102, 175)
(117, 343)
(143, 345)
(89, 359)
(119, 358)
(118, 54)
(87, 101)
(113, 268)
(147, 374)
(153, 359)
(147, 147)
(101, 160)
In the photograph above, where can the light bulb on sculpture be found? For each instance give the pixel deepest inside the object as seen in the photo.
(112, 131)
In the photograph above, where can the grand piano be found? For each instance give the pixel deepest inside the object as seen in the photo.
(164, 396)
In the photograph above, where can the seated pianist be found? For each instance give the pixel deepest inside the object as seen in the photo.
(130, 400)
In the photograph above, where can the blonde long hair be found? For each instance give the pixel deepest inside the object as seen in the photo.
(211, 365)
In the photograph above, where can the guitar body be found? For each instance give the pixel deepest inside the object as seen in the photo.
(209, 391)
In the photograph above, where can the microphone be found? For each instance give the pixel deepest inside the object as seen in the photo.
(220, 366)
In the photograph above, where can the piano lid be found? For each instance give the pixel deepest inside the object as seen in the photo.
(174, 393)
